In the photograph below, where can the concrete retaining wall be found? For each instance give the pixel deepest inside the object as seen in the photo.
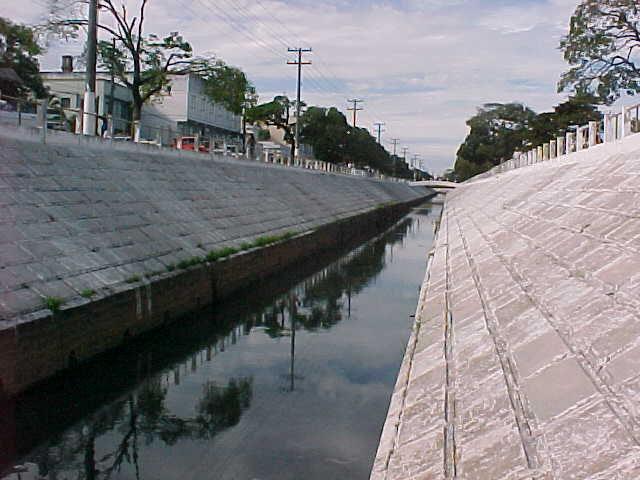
(118, 223)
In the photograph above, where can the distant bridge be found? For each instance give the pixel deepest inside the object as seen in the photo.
(440, 186)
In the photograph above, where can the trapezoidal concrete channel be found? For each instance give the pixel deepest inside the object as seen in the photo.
(287, 378)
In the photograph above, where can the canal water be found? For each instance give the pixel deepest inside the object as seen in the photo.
(289, 380)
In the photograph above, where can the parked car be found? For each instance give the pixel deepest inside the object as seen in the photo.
(189, 143)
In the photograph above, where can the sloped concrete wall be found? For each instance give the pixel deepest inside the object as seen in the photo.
(524, 359)
(86, 218)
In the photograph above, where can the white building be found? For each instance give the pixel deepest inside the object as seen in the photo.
(181, 109)
(184, 109)
(68, 86)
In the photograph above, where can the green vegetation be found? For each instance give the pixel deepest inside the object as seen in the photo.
(215, 255)
(498, 130)
(87, 293)
(171, 267)
(53, 303)
(144, 62)
(276, 113)
(335, 141)
(19, 50)
(190, 262)
(601, 49)
(133, 279)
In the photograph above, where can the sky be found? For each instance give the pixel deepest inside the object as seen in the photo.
(421, 66)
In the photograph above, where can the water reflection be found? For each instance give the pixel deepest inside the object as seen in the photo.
(180, 390)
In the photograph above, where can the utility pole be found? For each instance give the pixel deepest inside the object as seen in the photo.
(404, 154)
(354, 109)
(379, 126)
(414, 162)
(299, 63)
(89, 120)
(394, 142)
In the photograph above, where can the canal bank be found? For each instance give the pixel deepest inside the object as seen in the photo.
(100, 244)
(257, 387)
(523, 361)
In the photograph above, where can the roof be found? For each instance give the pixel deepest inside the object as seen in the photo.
(10, 75)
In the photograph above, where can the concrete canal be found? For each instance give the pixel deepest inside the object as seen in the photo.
(289, 379)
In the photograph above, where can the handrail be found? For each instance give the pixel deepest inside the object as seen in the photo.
(616, 126)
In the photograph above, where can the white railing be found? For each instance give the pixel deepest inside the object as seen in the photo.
(615, 127)
(36, 116)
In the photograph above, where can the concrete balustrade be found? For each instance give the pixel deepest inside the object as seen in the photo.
(615, 127)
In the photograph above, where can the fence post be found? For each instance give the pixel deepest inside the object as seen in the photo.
(607, 128)
(545, 151)
(560, 145)
(624, 123)
(593, 133)
(43, 120)
(553, 149)
(19, 107)
(136, 131)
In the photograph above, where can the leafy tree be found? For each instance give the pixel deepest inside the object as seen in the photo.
(497, 131)
(602, 48)
(276, 113)
(144, 62)
(335, 141)
(579, 109)
(18, 51)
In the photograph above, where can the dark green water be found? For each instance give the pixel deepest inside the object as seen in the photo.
(290, 380)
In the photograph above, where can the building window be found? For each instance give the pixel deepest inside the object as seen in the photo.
(65, 102)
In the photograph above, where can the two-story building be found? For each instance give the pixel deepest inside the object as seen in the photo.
(68, 86)
(184, 109)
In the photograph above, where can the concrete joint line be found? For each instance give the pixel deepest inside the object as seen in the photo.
(449, 444)
(524, 419)
(616, 405)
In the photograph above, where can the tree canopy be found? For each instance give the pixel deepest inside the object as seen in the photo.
(335, 141)
(276, 113)
(18, 51)
(144, 62)
(603, 49)
(499, 130)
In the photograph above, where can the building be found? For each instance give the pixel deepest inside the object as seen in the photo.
(184, 109)
(181, 109)
(68, 86)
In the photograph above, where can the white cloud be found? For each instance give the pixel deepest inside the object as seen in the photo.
(423, 66)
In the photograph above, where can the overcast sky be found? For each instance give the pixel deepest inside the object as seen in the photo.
(422, 66)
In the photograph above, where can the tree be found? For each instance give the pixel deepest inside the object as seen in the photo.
(497, 131)
(579, 109)
(602, 48)
(18, 51)
(276, 113)
(145, 62)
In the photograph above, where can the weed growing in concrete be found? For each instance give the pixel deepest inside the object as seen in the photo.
(53, 303)
(190, 262)
(246, 246)
(214, 255)
(133, 279)
(87, 293)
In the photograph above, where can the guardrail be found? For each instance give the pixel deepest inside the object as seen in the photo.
(47, 119)
(614, 127)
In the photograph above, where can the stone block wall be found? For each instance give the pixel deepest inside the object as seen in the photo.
(117, 223)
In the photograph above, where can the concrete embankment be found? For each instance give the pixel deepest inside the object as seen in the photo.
(117, 241)
(524, 360)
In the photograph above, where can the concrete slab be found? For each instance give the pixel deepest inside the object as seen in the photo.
(532, 308)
